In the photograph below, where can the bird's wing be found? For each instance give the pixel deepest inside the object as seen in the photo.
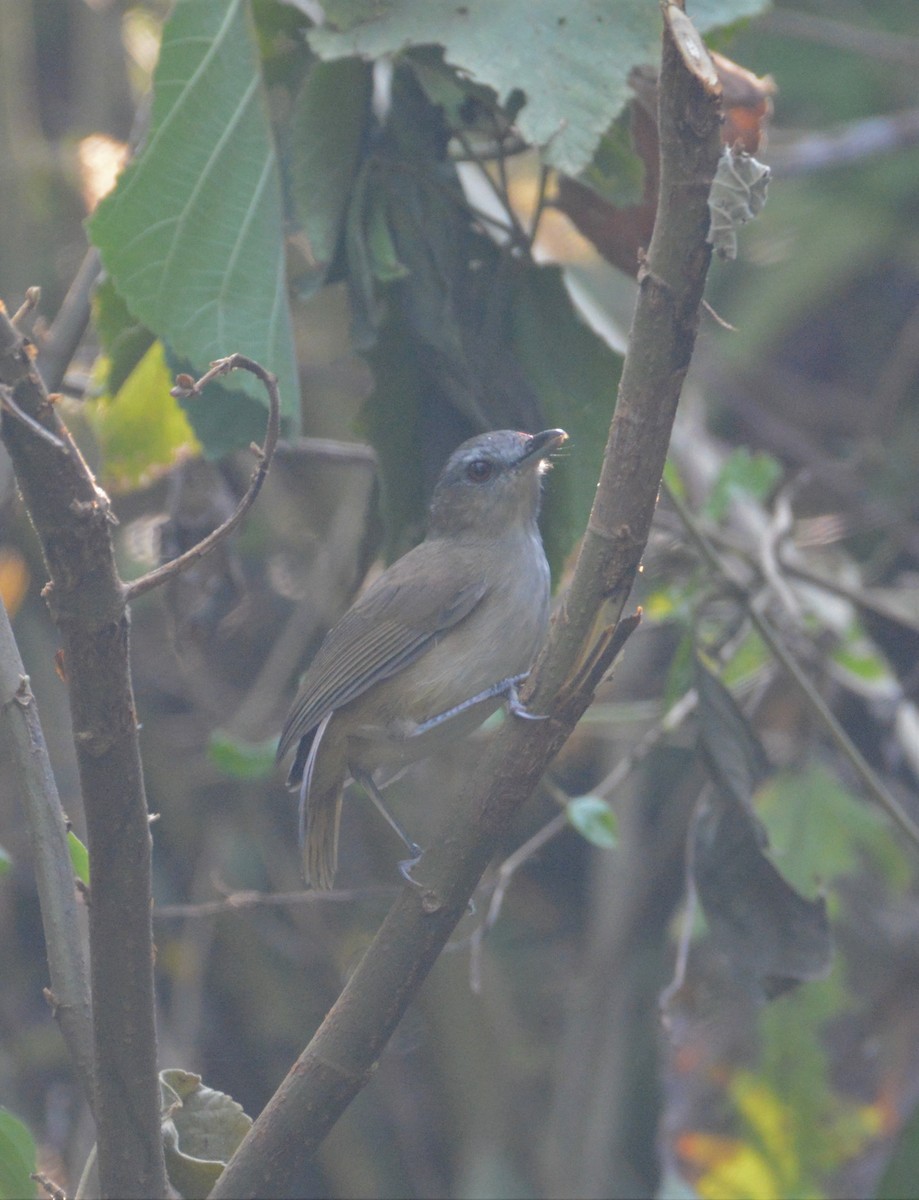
(390, 626)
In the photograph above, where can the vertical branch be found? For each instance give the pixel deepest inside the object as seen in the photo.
(69, 994)
(73, 520)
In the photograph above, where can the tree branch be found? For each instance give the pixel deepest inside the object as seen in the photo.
(53, 873)
(185, 386)
(60, 343)
(73, 521)
(341, 1057)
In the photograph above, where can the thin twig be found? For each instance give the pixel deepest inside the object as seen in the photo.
(542, 198)
(520, 237)
(60, 343)
(862, 597)
(29, 304)
(52, 1189)
(672, 719)
(8, 404)
(506, 873)
(186, 386)
(236, 901)
(357, 454)
(65, 940)
(818, 706)
(684, 939)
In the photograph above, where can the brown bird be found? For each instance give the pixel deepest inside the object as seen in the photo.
(432, 647)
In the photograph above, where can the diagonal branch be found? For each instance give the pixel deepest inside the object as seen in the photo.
(341, 1056)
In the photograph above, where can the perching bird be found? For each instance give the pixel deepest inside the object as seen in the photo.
(436, 644)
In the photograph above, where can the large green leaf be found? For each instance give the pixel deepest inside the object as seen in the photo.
(571, 60)
(193, 236)
(326, 127)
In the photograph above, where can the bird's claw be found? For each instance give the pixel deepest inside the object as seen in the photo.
(406, 865)
(517, 709)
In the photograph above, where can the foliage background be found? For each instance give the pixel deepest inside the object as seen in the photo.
(554, 1076)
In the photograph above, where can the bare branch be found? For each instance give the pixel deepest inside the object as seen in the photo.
(237, 901)
(64, 936)
(8, 404)
(59, 344)
(29, 305)
(186, 386)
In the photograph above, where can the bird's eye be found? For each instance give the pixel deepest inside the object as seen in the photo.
(479, 470)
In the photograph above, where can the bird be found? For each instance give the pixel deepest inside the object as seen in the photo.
(432, 647)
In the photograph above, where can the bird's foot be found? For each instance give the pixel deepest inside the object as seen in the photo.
(518, 709)
(406, 865)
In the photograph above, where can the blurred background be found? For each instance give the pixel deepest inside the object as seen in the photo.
(535, 1061)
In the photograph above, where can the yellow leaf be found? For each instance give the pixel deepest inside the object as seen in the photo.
(723, 1168)
(142, 430)
(770, 1119)
(14, 579)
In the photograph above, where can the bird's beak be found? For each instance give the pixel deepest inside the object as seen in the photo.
(541, 445)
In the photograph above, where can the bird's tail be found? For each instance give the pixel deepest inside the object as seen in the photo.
(320, 811)
(320, 837)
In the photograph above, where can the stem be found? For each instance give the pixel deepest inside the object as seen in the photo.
(64, 935)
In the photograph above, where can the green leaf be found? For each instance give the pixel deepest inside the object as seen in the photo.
(124, 339)
(594, 820)
(17, 1158)
(391, 420)
(326, 129)
(575, 376)
(79, 857)
(202, 1129)
(366, 310)
(445, 87)
(616, 173)
(384, 259)
(5, 861)
(819, 831)
(143, 427)
(902, 1172)
(681, 672)
(192, 235)
(863, 668)
(747, 661)
(571, 60)
(753, 474)
(733, 752)
(242, 760)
